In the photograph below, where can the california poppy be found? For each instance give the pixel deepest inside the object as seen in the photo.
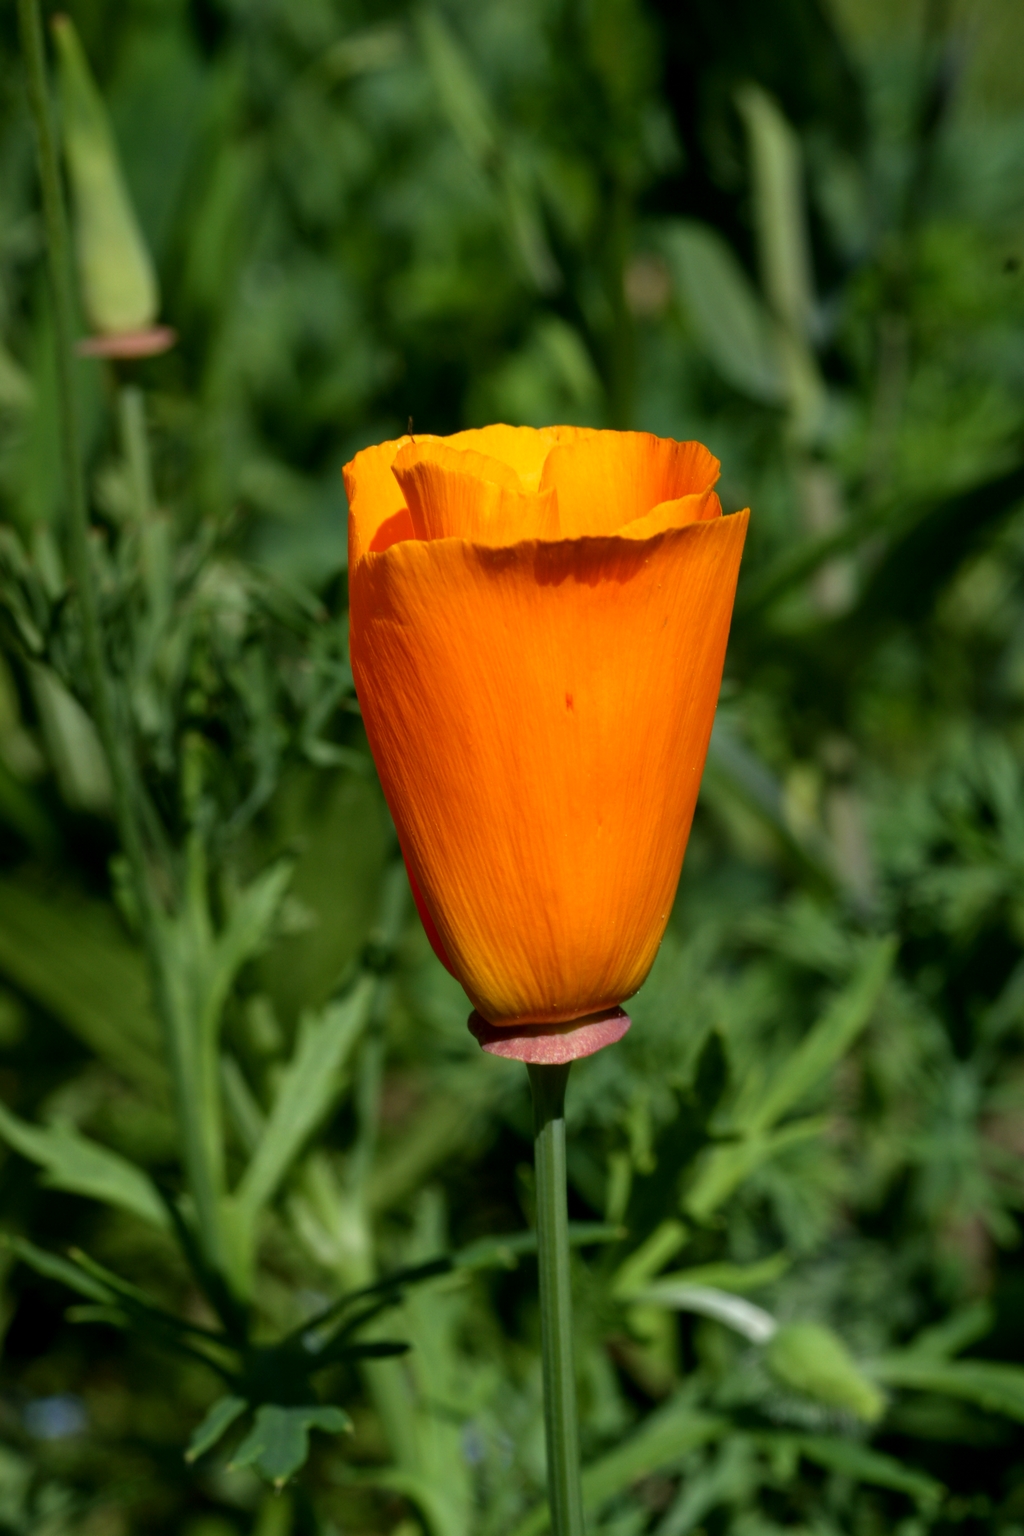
(538, 629)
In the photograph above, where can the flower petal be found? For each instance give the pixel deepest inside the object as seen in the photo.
(607, 479)
(375, 501)
(540, 716)
(460, 493)
(699, 508)
(524, 449)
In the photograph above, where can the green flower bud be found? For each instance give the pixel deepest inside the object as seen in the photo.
(119, 286)
(812, 1359)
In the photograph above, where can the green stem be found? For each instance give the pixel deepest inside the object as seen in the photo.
(115, 739)
(560, 1420)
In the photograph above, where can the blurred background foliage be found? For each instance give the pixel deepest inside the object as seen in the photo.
(791, 230)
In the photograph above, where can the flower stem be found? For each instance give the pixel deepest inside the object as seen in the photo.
(560, 1420)
(110, 724)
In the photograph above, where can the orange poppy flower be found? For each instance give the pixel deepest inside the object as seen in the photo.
(538, 629)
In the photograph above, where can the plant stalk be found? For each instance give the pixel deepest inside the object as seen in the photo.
(560, 1416)
(113, 733)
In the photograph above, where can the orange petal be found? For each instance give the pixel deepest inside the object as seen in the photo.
(699, 508)
(607, 479)
(374, 499)
(524, 449)
(460, 493)
(540, 716)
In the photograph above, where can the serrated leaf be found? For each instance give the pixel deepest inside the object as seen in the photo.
(83, 1167)
(219, 1419)
(278, 1443)
(812, 1359)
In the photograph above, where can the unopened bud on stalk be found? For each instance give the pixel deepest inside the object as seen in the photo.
(119, 286)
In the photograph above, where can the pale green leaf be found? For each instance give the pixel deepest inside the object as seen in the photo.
(754, 1323)
(729, 322)
(308, 1087)
(243, 936)
(84, 1167)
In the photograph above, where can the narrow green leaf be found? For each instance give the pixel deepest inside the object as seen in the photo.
(278, 1443)
(220, 1417)
(826, 1042)
(52, 1267)
(308, 1088)
(991, 1385)
(729, 321)
(732, 1277)
(955, 1333)
(721, 1169)
(864, 1465)
(84, 1167)
(71, 957)
(243, 936)
(663, 1439)
(504, 1252)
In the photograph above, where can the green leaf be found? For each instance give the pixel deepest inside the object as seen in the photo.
(721, 1169)
(504, 1252)
(955, 1333)
(221, 1415)
(812, 1359)
(729, 321)
(243, 936)
(71, 957)
(732, 1277)
(84, 1167)
(52, 1267)
(779, 208)
(664, 1438)
(308, 1087)
(826, 1042)
(278, 1443)
(991, 1385)
(864, 1465)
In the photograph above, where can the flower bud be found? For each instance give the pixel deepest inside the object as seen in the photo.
(118, 281)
